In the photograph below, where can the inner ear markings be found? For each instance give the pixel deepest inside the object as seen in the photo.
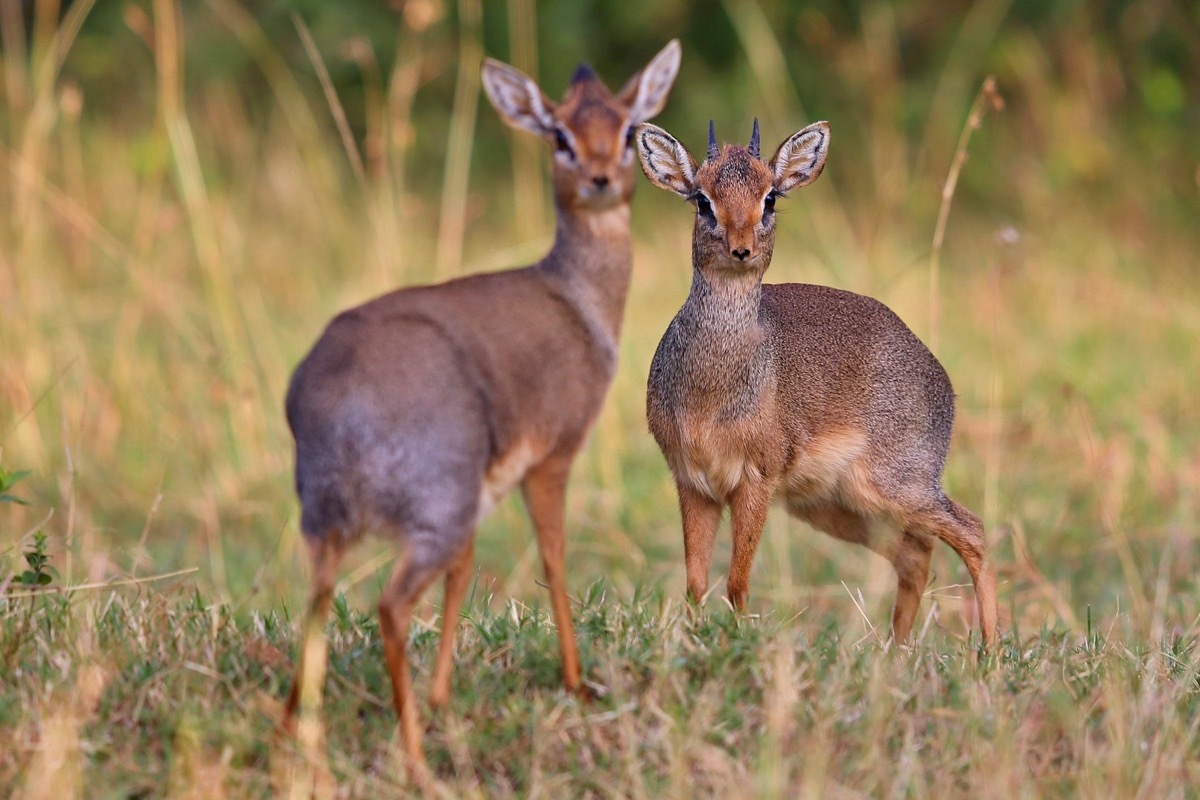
(801, 158)
(666, 162)
(517, 98)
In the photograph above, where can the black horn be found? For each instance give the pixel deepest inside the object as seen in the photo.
(712, 141)
(754, 140)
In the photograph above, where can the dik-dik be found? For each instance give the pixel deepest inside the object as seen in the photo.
(415, 413)
(816, 396)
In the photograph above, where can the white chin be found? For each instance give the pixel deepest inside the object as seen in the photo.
(599, 200)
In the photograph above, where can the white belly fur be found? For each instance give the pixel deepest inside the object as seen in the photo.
(716, 475)
(827, 465)
(504, 474)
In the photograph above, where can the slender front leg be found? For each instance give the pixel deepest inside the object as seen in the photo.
(748, 515)
(701, 517)
(545, 490)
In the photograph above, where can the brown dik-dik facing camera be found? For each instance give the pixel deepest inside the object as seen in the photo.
(820, 398)
(415, 413)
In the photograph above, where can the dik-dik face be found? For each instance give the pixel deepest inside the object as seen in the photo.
(734, 190)
(591, 131)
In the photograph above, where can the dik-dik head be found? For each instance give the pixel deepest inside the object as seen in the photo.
(591, 131)
(734, 190)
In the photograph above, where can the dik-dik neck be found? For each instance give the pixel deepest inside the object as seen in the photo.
(591, 259)
(720, 323)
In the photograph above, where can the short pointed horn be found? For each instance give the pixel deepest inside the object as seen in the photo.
(712, 141)
(754, 141)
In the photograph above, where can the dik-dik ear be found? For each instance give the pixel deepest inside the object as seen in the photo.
(645, 93)
(517, 98)
(799, 160)
(665, 161)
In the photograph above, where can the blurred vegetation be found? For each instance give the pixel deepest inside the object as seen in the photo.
(1079, 77)
(191, 189)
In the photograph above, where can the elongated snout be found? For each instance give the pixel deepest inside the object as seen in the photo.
(742, 243)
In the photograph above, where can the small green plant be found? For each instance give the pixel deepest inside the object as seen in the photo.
(40, 572)
(9, 480)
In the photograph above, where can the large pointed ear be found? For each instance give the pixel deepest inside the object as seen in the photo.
(517, 98)
(799, 160)
(645, 93)
(665, 161)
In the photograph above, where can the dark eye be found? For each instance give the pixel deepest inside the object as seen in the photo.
(629, 137)
(561, 143)
(769, 202)
(703, 206)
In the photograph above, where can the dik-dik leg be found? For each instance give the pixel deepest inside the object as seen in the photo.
(411, 578)
(457, 578)
(325, 553)
(962, 530)
(909, 553)
(545, 491)
(701, 516)
(748, 508)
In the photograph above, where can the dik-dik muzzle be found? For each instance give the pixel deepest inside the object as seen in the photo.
(594, 166)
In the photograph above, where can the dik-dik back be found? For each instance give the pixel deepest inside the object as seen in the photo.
(415, 413)
(820, 398)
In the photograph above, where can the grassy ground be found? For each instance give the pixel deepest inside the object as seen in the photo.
(162, 693)
(161, 275)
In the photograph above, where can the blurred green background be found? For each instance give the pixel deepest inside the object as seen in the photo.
(1091, 86)
(189, 191)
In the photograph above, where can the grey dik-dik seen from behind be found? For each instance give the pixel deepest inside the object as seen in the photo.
(816, 396)
(415, 413)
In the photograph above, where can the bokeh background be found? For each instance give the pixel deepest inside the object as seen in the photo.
(189, 191)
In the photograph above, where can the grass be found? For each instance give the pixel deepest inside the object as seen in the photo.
(159, 693)
(160, 276)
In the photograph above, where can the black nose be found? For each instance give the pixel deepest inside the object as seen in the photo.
(740, 255)
(600, 180)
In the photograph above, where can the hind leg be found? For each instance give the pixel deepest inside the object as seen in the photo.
(457, 578)
(962, 530)
(909, 555)
(305, 698)
(911, 559)
(411, 578)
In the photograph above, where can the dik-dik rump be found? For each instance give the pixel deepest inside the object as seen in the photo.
(415, 413)
(819, 397)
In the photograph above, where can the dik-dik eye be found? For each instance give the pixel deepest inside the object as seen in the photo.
(769, 202)
(562, 144)
(629, 138)
(704, 207)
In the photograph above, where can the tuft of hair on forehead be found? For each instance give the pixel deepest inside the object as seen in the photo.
(583, 72)
(736, 164)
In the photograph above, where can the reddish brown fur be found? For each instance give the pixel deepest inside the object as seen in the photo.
(818, 397)
(416, 412)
